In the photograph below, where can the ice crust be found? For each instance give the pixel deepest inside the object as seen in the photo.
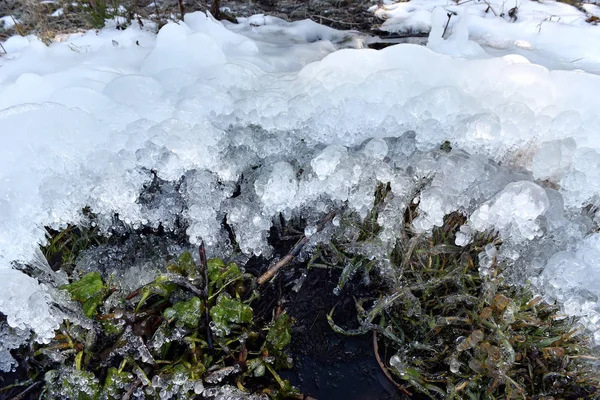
(242, 125)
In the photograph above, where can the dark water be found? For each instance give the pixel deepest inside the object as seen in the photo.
(359, 378)
(328, 365)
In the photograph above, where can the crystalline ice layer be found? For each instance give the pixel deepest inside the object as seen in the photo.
(513, 211)
(10, 338)
(239, 125)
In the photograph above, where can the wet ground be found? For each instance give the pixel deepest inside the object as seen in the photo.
(329, 365)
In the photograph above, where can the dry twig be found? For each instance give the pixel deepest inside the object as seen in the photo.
(292, 254)
(384, 369)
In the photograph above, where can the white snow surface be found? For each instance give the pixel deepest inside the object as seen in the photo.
(8, 21)
(281, 114)
(547, 32)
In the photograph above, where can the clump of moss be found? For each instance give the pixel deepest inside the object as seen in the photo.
(457, 331)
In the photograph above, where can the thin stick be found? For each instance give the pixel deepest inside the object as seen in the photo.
(321, 18)
(18, 26)
(204, 271)
(270, 273)
(129, 393)
(16, 384)
(27, 390)
(157, 11)
(490, 7)
(447, 23)
(384, 369)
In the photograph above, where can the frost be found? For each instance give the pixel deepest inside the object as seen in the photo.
(227, 392)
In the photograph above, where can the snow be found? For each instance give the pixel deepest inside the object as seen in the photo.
(57, 13)
(8, 21)
(550, 33)
(245, 122)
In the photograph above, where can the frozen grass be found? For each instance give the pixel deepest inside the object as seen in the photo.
(47, 20)
(455, 330)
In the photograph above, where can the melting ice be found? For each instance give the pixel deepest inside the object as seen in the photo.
(268, 118)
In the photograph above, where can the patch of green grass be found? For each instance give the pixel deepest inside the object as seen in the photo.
(64, 246)
(97, 11)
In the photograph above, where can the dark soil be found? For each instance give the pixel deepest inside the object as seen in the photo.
(328, 365)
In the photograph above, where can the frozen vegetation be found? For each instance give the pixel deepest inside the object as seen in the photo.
(244, 123)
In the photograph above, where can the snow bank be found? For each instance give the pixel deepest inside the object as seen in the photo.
(547, 32)
(246, 129)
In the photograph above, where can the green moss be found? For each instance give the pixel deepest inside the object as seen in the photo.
(89, 290)
(187, 313)
(185, 266)
(280, 332)
(169, 331)
(221, 274)
(229, 312)
(114, 383)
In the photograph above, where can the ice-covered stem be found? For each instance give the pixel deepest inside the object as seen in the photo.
(27, 390)
(292, 254)
(204, 272)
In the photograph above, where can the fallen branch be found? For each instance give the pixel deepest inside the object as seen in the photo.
(384, 368)
(292, 254)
